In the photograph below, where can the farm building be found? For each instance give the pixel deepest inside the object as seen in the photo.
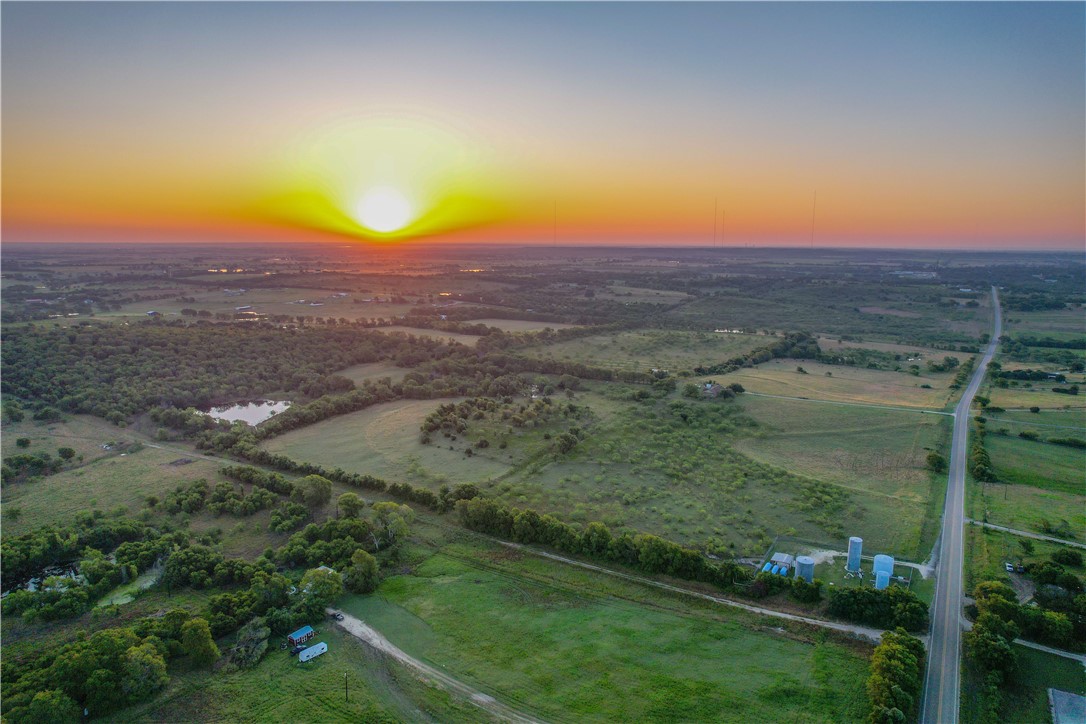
(783, 559)
(301, 635)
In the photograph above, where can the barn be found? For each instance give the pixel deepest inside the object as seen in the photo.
(301, 635)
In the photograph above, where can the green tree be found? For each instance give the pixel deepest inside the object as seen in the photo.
(66, 453)
(313, 490)
(23, 442)
(51, 706)
(936, 462)
(391, 523)
(350, 505)
(198, 643)
(320, 586)
(1026, 545)
(362, 575)
(143, 672)
(691, 390)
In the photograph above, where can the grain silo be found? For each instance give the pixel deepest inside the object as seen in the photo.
(882, 580)
(805, 568)
(855, 547)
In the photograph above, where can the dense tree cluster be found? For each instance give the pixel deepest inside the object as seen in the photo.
(889, 608)
(897, 678)
(118, 371)
(798, 345)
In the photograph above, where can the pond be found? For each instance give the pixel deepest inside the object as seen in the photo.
(252, 413)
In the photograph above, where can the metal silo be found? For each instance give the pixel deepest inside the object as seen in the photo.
(884, 563)
(855, 547)
(882, 580)
(805, 568)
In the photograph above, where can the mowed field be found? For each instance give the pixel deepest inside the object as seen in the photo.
(878, 453)
(1040, 395)
(647, 349)
(830, 344)
(520, 325)
(1052, 322)
(383, 440)
(569, 645)
(844, 384)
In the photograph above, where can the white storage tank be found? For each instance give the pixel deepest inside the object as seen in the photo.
(805, 568)
(884, 563)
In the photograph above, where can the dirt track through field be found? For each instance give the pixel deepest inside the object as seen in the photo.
(369, 635)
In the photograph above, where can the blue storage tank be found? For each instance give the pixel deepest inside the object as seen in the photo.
(776, 569)
(805, 568)
(766, 567)
(855, 547)
(884, 563)
(784, 570)
(882, 580)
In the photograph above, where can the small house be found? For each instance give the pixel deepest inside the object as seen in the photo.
(301, 635)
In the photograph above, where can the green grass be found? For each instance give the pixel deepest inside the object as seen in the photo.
(523, 631)
(383, 440)
(1025, 700)
(1048, 323)
(1038, 464)
(280, 689)
(845, 384)
(986, 551)
(1023, 507)
(373, 371)
(1049, 423)
(521, 325)
(104, 484)
(653, 348)
(83, 433)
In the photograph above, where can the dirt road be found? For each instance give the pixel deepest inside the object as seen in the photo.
(369, 635)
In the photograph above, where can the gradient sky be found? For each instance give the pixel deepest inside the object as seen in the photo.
(918, 124)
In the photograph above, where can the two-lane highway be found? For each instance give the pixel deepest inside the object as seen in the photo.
(942, 683)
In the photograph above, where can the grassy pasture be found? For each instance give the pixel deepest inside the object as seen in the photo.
(881, 453)
(1051, 322)
(466, 339)
(1023, 507)
(830, 344)
(1038, 464)
(104, 485)
(383, 440)
(844, 384)
(1039, 395)
(280, 689)
(576, 646)
(373, 371)
(83, 433)
(647, 349)
(1049, 423)
(267, 300)
(639, 295)
(521, 325)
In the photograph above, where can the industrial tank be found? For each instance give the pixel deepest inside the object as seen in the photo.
(855, 547)
(884, 563)
(882, 580)
(805, 568)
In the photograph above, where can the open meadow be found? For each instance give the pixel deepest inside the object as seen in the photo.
(1025, 701)
(845, 384)
(651, 348)
(383, 440)
(569, 645)
(1038, 464)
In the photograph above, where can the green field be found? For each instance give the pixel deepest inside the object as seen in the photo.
(648, 349)
(280, 689)
(108, 483)
(1049, 423)
(570, 645)
(845, 384)
(465, 339)
(880, 454)
(1025, 701)
(373, 371)
(383, 440)
(1038, 464)
(83, 433)
(521, 325)
(1051, 322)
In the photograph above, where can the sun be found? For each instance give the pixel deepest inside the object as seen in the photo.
(383, 209)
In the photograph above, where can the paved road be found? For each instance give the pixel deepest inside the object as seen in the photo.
(1027, 534)
(366, 633)
(942, 684)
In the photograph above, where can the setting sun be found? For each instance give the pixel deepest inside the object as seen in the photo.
(384, 210)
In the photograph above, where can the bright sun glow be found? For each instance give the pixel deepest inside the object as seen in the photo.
(384, 210)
